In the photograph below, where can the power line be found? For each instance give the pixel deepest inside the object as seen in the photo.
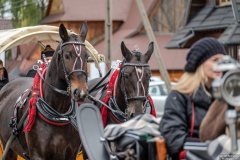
(10, 4)
(17, 7)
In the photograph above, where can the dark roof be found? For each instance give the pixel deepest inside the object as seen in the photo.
(210, 18)
(231, 36)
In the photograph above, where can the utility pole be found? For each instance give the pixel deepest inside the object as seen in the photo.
(108, 34)
(151, 37)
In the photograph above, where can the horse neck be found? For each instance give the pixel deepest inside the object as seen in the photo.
(120, 96)
(57, 101)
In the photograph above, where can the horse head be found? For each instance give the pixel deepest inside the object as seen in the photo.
(134, 79)
(72, 60)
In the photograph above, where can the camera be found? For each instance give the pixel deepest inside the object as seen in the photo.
(227, 87)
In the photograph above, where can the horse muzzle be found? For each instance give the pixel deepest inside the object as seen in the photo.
(79, 92)
(135, 108)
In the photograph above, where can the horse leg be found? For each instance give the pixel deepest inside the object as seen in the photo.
(85, 156)
(11, 155)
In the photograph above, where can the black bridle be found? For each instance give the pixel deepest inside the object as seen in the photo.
(143, 97)
(78, 54)
(112, 104)
(123, 87)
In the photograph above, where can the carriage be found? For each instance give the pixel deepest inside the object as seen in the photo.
(65, 78)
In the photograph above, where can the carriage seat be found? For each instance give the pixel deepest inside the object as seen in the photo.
(138, 137)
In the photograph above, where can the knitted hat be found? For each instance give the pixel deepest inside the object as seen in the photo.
(201, 51)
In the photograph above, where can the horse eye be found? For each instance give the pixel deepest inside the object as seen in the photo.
(149, 76)
(67, 56)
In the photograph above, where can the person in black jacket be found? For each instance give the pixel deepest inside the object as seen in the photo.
(3, 75)
(190, 98)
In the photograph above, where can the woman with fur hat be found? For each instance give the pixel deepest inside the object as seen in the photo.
(190, 98)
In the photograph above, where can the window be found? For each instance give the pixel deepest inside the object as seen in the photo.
(158, 90)
(224, 2)
(154, 91)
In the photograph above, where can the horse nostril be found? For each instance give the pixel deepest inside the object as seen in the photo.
(76, 93)
(84, 96)
(131, 115)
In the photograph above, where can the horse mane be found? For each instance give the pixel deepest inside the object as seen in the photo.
(137, 54)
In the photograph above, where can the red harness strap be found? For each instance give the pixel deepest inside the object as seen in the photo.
(153, 110)
(32, 102)
(110, 88)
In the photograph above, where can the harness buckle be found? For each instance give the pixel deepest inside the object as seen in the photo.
(68, 90)
(35, 67)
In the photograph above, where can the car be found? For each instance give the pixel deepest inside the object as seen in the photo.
(155, 78)
(158, 91)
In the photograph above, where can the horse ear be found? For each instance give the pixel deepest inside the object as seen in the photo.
(63, 33)
(83, 30)
(149, 52)
(125, 52)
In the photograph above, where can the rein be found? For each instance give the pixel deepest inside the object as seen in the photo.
(47, 113)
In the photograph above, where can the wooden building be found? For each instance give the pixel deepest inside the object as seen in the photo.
(177, 24)
(211, 18)
(127, 26)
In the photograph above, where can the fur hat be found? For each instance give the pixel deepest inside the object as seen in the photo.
(201, 51)
(48, 51)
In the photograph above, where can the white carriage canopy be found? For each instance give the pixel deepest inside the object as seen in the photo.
(45, 34)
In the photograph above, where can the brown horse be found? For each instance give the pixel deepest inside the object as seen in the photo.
(124, 93)
(51, 135)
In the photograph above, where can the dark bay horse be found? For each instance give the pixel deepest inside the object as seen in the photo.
(124, 93)
(51, 136)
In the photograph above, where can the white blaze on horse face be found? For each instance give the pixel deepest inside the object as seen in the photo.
(139, 70)
(77, 48)
(82, 93)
